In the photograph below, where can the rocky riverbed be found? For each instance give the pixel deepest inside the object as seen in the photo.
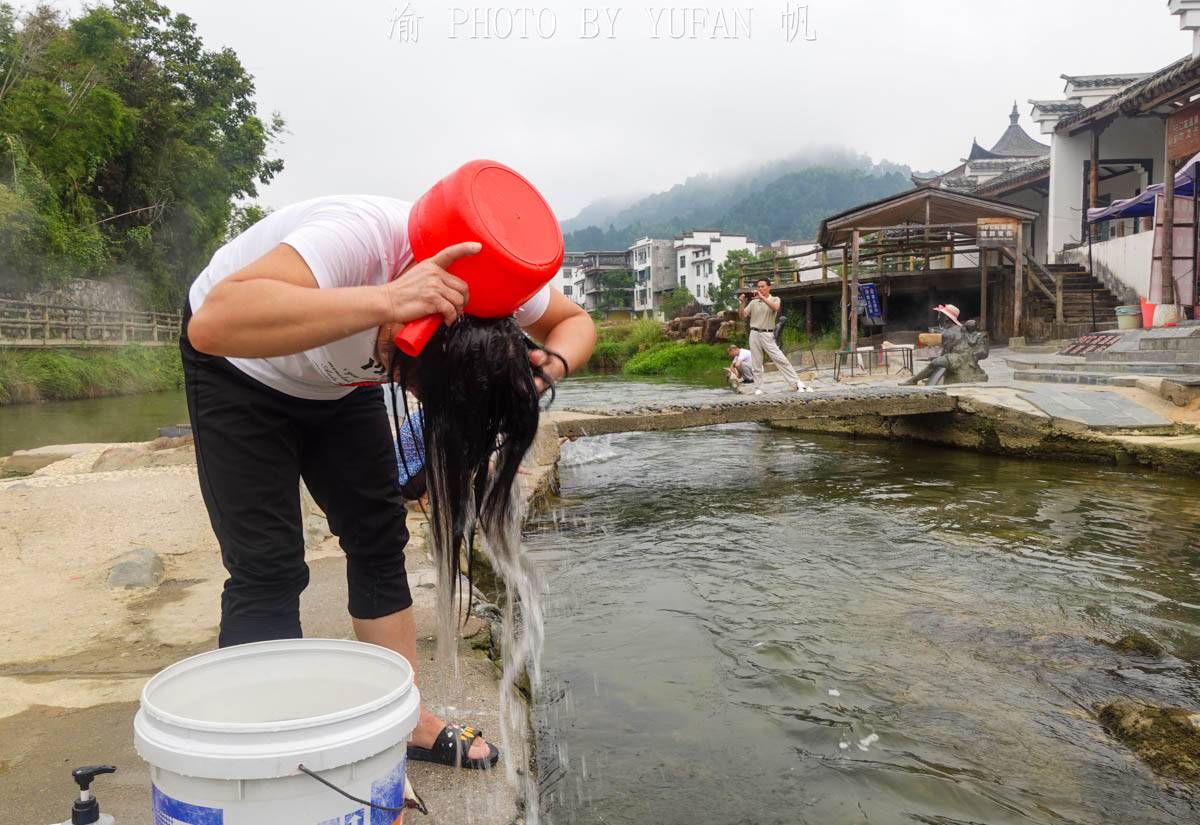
(112, 573)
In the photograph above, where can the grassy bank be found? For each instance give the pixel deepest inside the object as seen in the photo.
(677, 359)
(639, 348)
(64, 374)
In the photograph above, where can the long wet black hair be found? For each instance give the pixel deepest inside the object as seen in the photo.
(478, 393)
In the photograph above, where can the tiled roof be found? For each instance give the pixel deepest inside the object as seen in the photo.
(1016, 143)
(1175, 77)
(991, 164)
(960, 184)
(978, 152)
(1057, 107)
(1025, 173)
(1100, 81)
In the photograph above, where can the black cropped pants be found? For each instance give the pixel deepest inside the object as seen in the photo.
(253, 446)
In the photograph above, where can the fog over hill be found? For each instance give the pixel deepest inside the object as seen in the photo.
(785, 198)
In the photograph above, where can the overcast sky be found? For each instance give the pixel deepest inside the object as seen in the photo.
(910, 81)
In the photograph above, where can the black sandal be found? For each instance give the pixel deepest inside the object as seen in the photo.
(451, 748)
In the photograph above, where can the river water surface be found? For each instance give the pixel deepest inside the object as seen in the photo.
(753, 626)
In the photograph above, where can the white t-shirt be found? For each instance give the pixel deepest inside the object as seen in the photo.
(743, 357)
(346, 240)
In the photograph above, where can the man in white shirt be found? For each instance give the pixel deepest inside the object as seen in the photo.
(741, 368)
(286, 341)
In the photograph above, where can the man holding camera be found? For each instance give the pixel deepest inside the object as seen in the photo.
(761, 311)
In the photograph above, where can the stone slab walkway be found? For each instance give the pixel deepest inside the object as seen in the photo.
(1099, 409)
(1094, 407)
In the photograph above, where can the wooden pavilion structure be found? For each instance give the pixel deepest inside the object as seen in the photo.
(927, 244)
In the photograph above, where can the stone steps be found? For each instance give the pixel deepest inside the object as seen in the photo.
(1160, 356)
(1111, 367)
(1063, 377)
(1173, 343)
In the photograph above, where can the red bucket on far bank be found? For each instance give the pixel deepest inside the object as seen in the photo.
(1147, 314)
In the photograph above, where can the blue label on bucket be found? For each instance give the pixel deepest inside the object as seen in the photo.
(388, 792)
(168, 811)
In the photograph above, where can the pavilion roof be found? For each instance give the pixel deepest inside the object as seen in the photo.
(944, 207)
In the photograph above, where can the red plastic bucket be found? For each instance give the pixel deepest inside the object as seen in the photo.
(1147, 314)
(488, 202)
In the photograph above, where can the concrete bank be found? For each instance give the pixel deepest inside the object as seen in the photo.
(75, 648)
(1001, 420)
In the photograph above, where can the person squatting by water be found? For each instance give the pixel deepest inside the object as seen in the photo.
(762, 311)
(288, 335)
(741, 368)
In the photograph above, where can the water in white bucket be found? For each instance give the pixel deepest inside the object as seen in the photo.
(226, 731)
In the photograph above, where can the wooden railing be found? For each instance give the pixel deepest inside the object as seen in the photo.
(27, 324)
(1050, 283)
(875, 258)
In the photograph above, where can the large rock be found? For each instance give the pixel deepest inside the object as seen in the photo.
(711, 327)
(23, 462)
(726, 331)
(695, 334)
(139, 456)
(137, 568)
(1167, 739)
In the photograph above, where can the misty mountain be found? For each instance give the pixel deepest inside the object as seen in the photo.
(782, 199)
(600, 212)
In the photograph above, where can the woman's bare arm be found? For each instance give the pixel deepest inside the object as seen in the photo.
(274, 306)
(566, 329)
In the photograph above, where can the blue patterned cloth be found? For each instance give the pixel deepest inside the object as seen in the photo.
(410, 447)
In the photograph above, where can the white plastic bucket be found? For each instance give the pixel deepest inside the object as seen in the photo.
(226, 731)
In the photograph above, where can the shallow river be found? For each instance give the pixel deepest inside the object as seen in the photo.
(127, 418)
(751, 626)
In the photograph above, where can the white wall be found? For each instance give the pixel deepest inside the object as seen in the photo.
(1125, 138)
(1127, 260)
(699, 272)
(1067, 154)
(1032, 200)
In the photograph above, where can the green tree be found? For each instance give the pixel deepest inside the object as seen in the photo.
(124, 144)
(617, 289)
(676, 301)
(243, 217)
(724, 294)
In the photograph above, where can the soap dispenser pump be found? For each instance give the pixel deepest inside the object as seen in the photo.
(86, 809)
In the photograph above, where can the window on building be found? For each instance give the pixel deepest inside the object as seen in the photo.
(683, 260)
(567, 290)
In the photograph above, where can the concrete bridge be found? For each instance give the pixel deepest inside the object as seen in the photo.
(839, 402)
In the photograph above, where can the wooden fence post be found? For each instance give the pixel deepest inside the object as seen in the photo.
(1018, 283)
(855, 242)
(983, 290)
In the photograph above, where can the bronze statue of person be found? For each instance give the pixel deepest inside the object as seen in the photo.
(963, 347)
